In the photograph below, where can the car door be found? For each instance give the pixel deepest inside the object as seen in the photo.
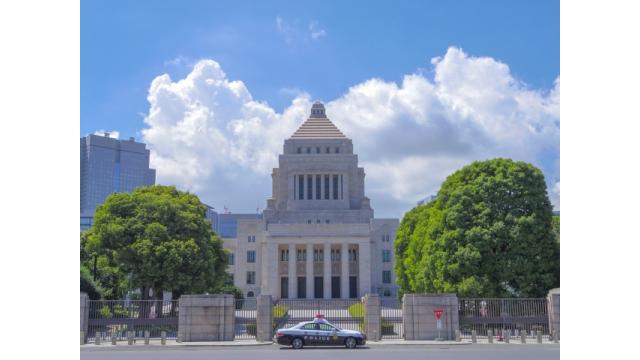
(311, 334)
(329, 335)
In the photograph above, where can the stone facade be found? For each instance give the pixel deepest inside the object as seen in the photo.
(317, 237)
(419, 321)
(206, 318)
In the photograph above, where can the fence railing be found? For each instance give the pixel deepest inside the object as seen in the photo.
(391, 326)
(117, 318)
(343, 313)
(500, 316)
(246, 315)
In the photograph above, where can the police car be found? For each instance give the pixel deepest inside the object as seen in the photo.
(319, 332)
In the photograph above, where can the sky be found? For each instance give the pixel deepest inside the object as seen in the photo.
(422, 87)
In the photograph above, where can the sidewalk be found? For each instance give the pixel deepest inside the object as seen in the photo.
(386, 342)
(174, 343)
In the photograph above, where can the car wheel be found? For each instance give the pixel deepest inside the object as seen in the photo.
(350, 343)
(297, 343)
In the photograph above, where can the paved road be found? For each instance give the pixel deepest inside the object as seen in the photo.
(404, 352)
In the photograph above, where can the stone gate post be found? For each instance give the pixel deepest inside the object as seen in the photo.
(372, 317)
(84, 316)
(553, 303)
(264, 318)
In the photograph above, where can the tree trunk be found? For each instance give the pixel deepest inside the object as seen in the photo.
(144, 304)
(159, 295)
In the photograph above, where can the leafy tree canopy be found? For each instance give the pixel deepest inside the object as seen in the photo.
(489, 233)
(160, 238)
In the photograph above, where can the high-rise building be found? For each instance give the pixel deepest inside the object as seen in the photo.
(317, 237)
(110, 165)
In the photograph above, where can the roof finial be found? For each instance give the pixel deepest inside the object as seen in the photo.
(317, 110)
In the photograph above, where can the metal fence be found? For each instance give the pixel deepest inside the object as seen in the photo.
(503, 316)
(343, 313)
(246, 315)
(109, 318)
(391, 325)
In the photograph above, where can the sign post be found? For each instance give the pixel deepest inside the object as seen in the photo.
(438, 314)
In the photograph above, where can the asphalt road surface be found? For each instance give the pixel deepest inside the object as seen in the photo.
(390, 352)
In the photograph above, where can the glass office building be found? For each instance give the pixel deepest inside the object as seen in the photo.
(110, 165)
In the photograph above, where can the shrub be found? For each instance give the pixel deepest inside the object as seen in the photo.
(356, 310)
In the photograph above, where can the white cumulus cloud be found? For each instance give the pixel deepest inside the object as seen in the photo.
(209, 135)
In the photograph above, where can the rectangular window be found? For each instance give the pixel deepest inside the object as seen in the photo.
(308, 150)
(251, 256)
(328, 150)
(326, 187)
(251, 277)
(299, 150)
(300, 187)
(386, 277)
(310, 187)
(232, 259)
(335, 187)
(318, 150)
(251, 238)
(318, 189)
(341, 193)
(386, 255)
(337, 150)
(295, 187)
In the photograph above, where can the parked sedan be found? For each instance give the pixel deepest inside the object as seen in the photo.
(319, 332)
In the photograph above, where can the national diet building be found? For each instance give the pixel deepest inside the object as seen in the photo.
(317, 238)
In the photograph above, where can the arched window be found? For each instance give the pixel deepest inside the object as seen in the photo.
(250, 294)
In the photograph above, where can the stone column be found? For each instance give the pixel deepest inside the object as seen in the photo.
(373, 317)
(270, 284)
(418, 318)
(206, 318)
(364, 267)
(553, 303)
(293, 293)
(327, 271)
(84, 315)
(309, 271)
(344, 273)
(264, 318)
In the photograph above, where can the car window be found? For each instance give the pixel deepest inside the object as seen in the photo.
(326, 327)
(309, 327)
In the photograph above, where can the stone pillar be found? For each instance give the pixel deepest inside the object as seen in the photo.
(293, 288)
(84, 316)
(270, 284)
(327, 271)
(364, 267)
(553, 303)
(264, 318)
(206, 318)
(309, 271)
(344, 273)
(372, 317)
(418, 318)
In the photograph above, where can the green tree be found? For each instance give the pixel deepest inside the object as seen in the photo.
(556, 227)
(88, 285)
(488, 233)
(161, 239)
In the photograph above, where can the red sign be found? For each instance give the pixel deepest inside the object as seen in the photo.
(438, 313)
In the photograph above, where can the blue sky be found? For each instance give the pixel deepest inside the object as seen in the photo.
(284, 50)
